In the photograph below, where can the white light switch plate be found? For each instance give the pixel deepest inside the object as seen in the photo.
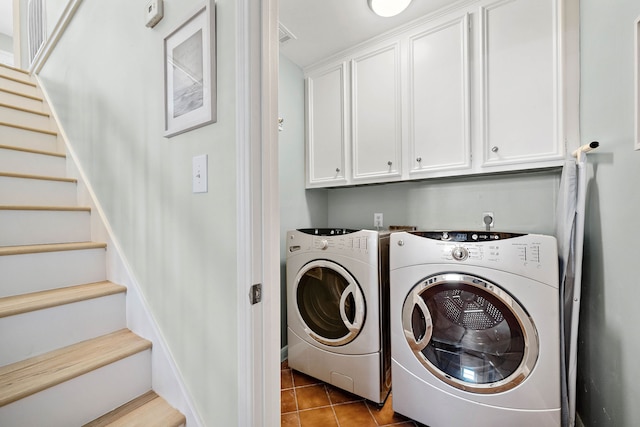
(200, 174)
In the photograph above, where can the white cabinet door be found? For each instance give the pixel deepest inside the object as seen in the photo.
(439, 102)
(376, 118)
(326, 127)
(520, 84)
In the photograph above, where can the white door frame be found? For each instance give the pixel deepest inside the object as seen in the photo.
(258, 204)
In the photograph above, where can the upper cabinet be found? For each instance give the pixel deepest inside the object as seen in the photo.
(438, 97)
(488, 87)
(326, 127)
(519, 85)
(376, 116)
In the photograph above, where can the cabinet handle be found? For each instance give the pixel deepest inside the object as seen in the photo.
(494, 149)
(338, 170)
(389, 163)
(419, 159)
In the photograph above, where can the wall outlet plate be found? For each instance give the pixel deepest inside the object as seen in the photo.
(377, 220)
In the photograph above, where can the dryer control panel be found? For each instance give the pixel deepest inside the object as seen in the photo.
(530, 255)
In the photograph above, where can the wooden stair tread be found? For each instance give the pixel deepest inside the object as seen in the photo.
(10, 67)
(29, 128)
(21, 379)
(40, 177)
(54, 247)
(24, 95)
(24, 110)
(31, 150)
(148, 410)
(44, 208)
(19, 304)
(17, 80)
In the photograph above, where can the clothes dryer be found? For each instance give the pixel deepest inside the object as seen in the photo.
(337, 308)
(475, 328)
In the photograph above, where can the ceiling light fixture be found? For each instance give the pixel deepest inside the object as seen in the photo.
(387, 8)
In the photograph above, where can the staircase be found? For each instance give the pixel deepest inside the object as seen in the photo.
(66, 355)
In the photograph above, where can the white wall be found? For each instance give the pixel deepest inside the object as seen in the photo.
(106, 80)
(608, 368)
(299, 208)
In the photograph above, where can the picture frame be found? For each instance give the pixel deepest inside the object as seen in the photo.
(636, 50)
(190, 89)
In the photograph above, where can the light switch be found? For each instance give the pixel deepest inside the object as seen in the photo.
(200, 174)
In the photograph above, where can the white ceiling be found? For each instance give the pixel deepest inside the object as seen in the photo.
(6, 17)
(325, 27)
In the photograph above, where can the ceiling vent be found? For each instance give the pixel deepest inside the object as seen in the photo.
(284, 34)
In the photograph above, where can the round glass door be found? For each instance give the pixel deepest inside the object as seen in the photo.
(470, 333)
(330, 303)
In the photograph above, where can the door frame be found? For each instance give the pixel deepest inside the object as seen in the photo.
(258, 205)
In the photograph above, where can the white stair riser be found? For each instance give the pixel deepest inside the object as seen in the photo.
(27, 273)
(39, 192)
(23, 118)
(32, 227)
(28, 139)
(82, 399)
(19, 87)
(15, 161)
(8, 72)
(37, 332)
(21, 101)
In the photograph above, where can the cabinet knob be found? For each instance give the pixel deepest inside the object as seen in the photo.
(494, 149)
(419, 159)
(337, 170)
(389, 163)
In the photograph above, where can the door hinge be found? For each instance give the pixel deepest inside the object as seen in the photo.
(255, 294)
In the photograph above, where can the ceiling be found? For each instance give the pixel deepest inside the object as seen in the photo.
(6, 17)
(325, 27)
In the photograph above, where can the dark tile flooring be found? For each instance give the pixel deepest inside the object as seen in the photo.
(308, 402)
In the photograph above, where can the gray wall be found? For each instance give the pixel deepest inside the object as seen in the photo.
(522, 202)
(299, 208)
(105, 78)
(608, 368)
(6, 42)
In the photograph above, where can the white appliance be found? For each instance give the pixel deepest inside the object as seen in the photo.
(475, 328)
(337, 308)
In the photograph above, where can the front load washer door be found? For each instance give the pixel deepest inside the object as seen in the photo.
(469, 333)
(330, 303)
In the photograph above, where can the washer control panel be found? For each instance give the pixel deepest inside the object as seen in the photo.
(328, 243)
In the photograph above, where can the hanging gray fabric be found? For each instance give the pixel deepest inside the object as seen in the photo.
(570, 212)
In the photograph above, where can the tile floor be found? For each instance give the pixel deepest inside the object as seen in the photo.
(308, 402)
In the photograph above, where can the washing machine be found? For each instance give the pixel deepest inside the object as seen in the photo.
(338, 308)
(475, 328)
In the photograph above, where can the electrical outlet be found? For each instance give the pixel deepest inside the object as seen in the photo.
(200, 181)
(487, 219)
(377, 220)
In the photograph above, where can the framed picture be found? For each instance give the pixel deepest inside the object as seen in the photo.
(636, 49)
(190, 72)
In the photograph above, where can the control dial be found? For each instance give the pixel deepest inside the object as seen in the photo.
(324, 244)
(459, 253)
